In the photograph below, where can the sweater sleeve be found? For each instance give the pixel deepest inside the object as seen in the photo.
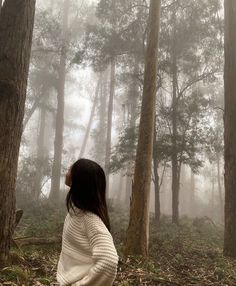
(104, 255)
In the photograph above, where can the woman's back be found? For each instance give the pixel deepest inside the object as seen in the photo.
(88, 256)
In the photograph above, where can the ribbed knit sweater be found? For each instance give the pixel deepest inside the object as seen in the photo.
(88, 256)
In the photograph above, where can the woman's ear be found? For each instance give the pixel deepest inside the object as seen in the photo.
(68, 181)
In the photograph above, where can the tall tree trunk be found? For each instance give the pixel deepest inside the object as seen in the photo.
(90, 118)
(157, 191)
(213, 197)
(134, 94)
(220, 187)
(109, 121)
(156, 178)
(192, 205)
(133, 112)
(16, 22)
(100, 139)
(128, 188)
(120, 188)
(138, 229)
(174, 158)
(40, 152)
(229, 124)
(58, 142)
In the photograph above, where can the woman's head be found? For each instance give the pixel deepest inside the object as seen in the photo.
(87, 183)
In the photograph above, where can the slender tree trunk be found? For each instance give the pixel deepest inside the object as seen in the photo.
(134, 94)
(184, 203)
(40, 153)
(133, 112)
(138, 230)
(156, 177)
(109, 121)
(100, 139)
(220, 188)
(128, 188)
(174, 158)
(213, 198)
(16, 22)
(229, 124)
(192, 205)
(120, 188)
(157, 191)
(58, 142)
(90, 119)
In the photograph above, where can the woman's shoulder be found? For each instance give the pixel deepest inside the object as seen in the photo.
(94, 223)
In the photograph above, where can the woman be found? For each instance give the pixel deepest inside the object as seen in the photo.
(88, 256)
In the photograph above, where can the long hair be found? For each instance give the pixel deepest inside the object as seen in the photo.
(88, 189)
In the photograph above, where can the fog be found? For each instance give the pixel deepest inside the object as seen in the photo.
(84, 62)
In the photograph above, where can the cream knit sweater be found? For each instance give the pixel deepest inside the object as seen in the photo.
(88, 256)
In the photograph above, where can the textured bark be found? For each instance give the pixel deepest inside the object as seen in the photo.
(229, 124)
(138, 229)
(16, 26)
(86, 136)
(58, 142)
(109, 121)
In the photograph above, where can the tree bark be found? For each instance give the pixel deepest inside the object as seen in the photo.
(109, 121)
(174, 158)
(16, 27)
(58, 142)
(229, 124)
(0, 5)
(138, 229)
(90, 118)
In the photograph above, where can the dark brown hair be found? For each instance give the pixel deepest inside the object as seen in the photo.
(88, 189)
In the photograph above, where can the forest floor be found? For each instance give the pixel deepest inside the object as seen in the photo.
(188, 254)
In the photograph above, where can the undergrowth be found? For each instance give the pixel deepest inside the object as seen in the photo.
(187, 254)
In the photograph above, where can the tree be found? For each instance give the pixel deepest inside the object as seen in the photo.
(109, 120)
(138, 229)
(113, 36)
(180, 34)
(229, 125)
(16, 28)
(58, 142)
